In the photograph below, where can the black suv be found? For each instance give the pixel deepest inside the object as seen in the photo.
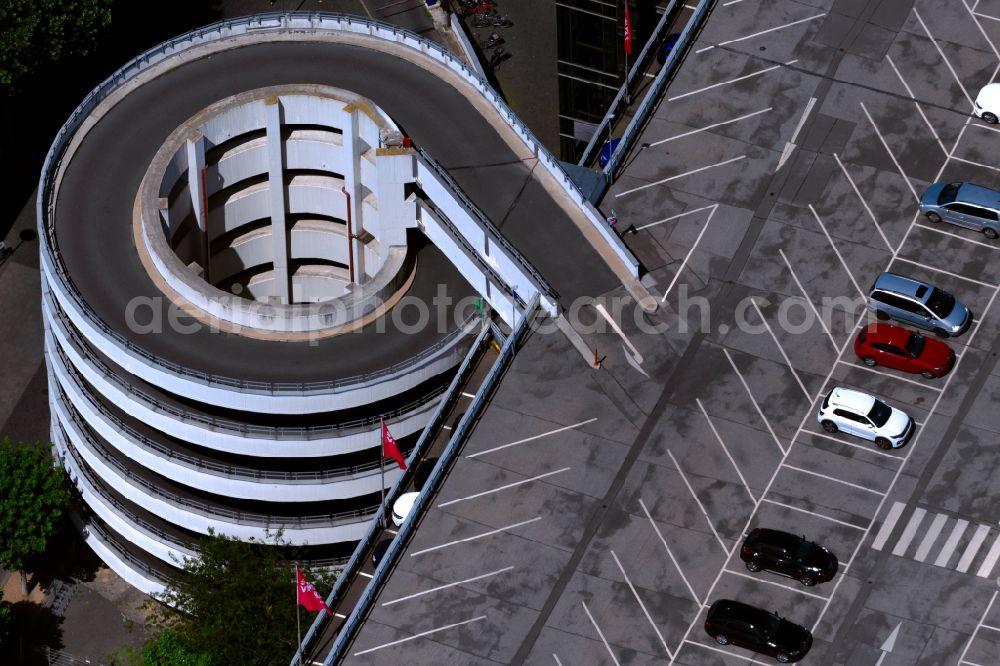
(733, 622)
(788, 555)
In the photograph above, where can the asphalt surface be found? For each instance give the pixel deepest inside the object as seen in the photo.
(594, 515)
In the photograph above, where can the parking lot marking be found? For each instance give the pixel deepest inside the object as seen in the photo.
(943, 56)
(726, 451)
(477, 536)
(762, 32)
(756, 406)
(864, 203)
(866, 449)
(843, 263)
(917, 104)
(891, 155)
(992, 246)
(890, 522)
(681, 175)
(391, 531)
(674, 217)
(742, 658)
(725, 549)
(467, 395)
(862, 366)
(733, 2)
(669, 553)
(951, 544)
(982, 621)
(986, 568)
(689, 253)
(758, 579)
(833, 478)
(812, 513)
(532, 438)
(909, 532)
(790, 144)
(736, 80)
(642, 605)
(421, 635)
(709, 127)
(782, 350)
(924, 549)
(990, 627)
(944, 272)
(446, 586)
(987, 16)
(600, 633)
(635, 357)
(505, 487)
(972, 549)
(977, 164)
(556, 657)
(365, 574)
(811, 304)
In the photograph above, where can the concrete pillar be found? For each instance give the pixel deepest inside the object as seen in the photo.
(199, 197)
(278, 201)
(396, 168)
(353, 147)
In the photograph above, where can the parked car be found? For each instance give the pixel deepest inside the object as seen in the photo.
(734, 622)
(964, 205)
(865, 416)
(902, 349)
(402, 506)
(987, 104)
(788, 555)
(918, 303)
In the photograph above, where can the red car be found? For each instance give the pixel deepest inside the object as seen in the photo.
(902, 349)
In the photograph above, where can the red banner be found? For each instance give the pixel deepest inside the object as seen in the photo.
(308, 596)
(389, 448)
(628, 32)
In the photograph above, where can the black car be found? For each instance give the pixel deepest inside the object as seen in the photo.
(788, 555)
(733, 622)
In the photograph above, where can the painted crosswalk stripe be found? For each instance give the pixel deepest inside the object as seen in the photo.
(970, 551)
(890, 521)
(909, 532)
(949, 546)
(932, 534)
(991, 559)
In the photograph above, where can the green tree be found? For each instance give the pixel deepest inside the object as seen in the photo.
(238, 601)
(36, 31)
(168, 649)
(33, 493)
(6, 619)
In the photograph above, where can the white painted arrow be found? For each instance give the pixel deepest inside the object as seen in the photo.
(632, 354)
(790, 145)
(888, 644)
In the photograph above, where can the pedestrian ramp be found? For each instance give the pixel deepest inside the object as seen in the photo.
(942, 540)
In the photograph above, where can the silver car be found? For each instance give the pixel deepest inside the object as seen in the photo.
(918, 303)
(964, 205)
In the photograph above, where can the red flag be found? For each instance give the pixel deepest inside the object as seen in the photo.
(628, 32)
(308, 596)
(389, 448)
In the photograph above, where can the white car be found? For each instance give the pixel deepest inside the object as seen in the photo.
(987, 104)
(402, 506)
(860, 414)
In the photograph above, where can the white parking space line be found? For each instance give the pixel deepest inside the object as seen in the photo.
(944, 272)
(976, 164)
(758, 579)
(890, 522)
(943, 56)
(862, 366)
(698, 501)
(733, 2)
(687, 256)
(915, 103)
(843, 263)
(982, 621)
(556, 657)
(531, 439)
(600, 633)
(866, 449)
(811, 304)
(681, 175)
(743, 659)
(477, 536)
(762, 32)
(782, 350)
(669, 553)
(991, 559)
(675, 217)
(972, 549)
(881, 138)
(833, 478)
(951, 544)
(909, 532)
(756, 406)
(990, 627)
(642, 605)
(933, 532)
(709, 127)
(726, 451)
(864, 203)
(468, 395)
(987, 16)
(736, 80)
(420, 635)
(812, 513)
(992, 246)
(391, 531)
(446, 586)
(505, 487)
(365, 574)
